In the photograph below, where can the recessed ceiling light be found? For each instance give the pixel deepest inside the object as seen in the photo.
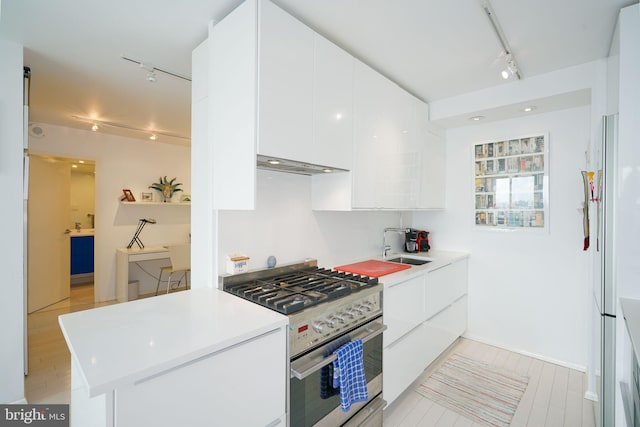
(94, 127)
(338, 116)
(327, 170)
(274, 162)
(74, 166)
(80, 161)
(476, 118)
(153, 137)
(529, 108)
(505, 74)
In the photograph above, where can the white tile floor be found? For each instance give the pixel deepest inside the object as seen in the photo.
(554, 396)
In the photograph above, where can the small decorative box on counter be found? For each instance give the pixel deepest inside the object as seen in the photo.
(237, 263)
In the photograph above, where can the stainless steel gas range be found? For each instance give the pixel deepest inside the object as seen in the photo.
(326, 308)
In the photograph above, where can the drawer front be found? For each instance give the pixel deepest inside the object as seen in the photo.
(403, 308)
(445, 285)
(443, 329)
(402, 363)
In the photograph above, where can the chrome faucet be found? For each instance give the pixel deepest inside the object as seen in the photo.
(385, 247)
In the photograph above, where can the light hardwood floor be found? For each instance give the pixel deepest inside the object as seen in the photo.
(554, 395)
(49, 378)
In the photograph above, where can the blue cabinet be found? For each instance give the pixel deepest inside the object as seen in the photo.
(81, 255)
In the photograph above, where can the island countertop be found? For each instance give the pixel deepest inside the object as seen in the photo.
(124, 343)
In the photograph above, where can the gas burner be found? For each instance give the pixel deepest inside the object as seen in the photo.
(289, 289)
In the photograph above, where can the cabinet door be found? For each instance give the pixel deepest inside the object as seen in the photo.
(433, 173)
(402, 362)
(215, 390)
(403, 308)
(285, 84)
(375, 103)
(332, 106)
(444, 285)
(443, 329)
(82, 255)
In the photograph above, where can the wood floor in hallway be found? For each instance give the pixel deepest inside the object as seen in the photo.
(49, 378)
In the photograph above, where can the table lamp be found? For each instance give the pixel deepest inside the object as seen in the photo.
(136, 236)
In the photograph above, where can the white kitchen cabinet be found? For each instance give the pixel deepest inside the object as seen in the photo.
(332, 106)
(200, 392)
(424, 315)
(444, 285)
(441, 330)
(404, 308)
(398, 163)
(403, 362)
(187, 358)
(285, 84)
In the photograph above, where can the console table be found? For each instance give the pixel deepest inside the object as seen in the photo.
(126, 255)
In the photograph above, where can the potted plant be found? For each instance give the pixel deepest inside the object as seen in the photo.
(166, 187)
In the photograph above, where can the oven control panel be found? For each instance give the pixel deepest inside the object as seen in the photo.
(327, 321)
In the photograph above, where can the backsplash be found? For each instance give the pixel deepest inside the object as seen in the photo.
(283, 225)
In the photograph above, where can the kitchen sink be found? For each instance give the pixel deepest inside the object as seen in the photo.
(407, 260)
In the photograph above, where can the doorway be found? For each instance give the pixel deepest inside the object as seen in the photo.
(60, 214)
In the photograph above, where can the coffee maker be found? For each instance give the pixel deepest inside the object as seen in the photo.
(411, 240)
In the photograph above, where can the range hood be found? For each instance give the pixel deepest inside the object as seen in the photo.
(292, 166)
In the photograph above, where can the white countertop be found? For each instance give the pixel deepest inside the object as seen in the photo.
(631, 314)
(438, 259)
(82, 232)
(123, 343)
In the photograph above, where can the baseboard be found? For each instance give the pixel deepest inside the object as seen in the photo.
(563, 363)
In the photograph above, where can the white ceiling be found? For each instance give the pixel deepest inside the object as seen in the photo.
(433, 48)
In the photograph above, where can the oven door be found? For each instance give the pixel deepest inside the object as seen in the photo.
(310, 401)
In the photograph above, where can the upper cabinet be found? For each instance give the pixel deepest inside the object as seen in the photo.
(278, 89)
(285, 85)
(398, 156)
(332, 105)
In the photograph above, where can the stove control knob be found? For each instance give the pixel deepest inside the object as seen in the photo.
(319, 326)
(331, 321)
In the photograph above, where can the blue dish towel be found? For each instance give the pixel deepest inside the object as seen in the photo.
(348, 374)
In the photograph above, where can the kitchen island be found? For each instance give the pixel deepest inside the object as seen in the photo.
(177, 359)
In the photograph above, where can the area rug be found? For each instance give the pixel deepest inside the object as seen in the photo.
(486, 394)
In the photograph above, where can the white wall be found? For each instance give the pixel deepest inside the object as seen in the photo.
(528, 289)
(284, 225)
(82, 198)
(11, 245)
(123, 163)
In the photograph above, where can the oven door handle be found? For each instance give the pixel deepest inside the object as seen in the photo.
(306, 366)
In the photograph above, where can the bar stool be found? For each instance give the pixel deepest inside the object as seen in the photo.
(180, 256)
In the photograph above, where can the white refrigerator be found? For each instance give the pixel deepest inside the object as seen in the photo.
(605, 289)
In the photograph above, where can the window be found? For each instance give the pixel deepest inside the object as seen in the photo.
(511, 183)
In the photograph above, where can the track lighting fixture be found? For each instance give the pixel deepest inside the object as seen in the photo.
(151, 77)
(512, 68)
(152, 70)
(153, 134)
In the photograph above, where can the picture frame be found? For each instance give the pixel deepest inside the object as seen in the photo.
(146, 197)
(511, 183)
(128, 195)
